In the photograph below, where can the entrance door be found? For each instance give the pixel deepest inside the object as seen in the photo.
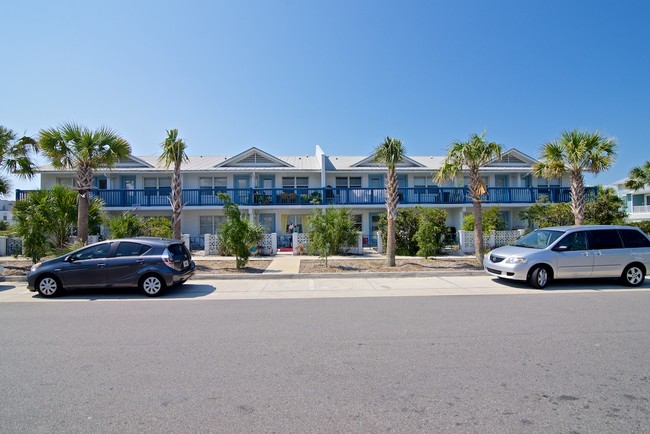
(378, 192)
(268, 221)
(501, 193)
(242, 189)
(264, 195)
(374, 227)
(128, 183)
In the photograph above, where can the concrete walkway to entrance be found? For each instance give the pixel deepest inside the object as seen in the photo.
(283, 263)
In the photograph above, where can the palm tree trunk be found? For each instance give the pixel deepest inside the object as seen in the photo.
(82, 217)
(84, 186)
(578, 197)
(478, 232)
(177, 201)
(392, 200)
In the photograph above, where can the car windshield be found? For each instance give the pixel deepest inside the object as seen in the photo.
(540, 239)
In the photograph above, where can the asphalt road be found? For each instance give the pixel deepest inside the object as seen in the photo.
(559, 361)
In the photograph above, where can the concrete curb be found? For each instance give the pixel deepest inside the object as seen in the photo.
(280, 276)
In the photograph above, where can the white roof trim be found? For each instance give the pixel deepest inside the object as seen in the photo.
(370, 162)
(247, 153)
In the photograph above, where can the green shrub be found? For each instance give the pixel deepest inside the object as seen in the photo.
(432, 229)
(331, 231)
(238, 235)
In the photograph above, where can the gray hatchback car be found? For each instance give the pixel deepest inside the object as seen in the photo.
(570, 252)
(152, 264)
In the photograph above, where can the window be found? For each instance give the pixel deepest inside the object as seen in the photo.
(604, 239)
(295, 182)
(575, 241)
(424, 184)
(157, 186)
(633, 238)
(93, 252)
(127, 248)
(218, 182)
(348, 182)
(357, 221)
(210, 224)
(543, 182)
(68, 182)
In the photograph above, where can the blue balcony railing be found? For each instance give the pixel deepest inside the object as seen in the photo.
(329, 196)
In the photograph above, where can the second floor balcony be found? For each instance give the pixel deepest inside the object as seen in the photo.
(281, 197)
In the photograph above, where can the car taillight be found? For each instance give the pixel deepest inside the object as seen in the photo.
(167, 259)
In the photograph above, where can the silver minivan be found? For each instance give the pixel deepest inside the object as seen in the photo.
(571, 252)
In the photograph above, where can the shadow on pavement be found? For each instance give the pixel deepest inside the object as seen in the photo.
(596, 284)
(186, 291)
(7, 287)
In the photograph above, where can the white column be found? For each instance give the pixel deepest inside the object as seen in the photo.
(359, 243)
(274, 243)
(380, 246)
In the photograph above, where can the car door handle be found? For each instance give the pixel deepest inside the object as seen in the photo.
(140, 261)
(100, 265)
(585, 253)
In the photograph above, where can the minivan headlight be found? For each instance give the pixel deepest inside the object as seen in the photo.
(516, 260)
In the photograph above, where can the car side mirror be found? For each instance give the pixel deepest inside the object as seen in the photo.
(68, 258)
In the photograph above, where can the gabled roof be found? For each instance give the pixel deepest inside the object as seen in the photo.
(370, 162)
(253, 157)
(133, 162)
(512, 157)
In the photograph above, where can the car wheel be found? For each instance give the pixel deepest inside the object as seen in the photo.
(633, 275)
(48, 286)
(539, 277)
(152, 285)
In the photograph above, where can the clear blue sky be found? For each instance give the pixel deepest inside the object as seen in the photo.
(287, 75)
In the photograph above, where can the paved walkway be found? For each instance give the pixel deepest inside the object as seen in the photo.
(283, 263)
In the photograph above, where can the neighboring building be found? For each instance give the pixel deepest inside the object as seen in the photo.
(279, 191)
(6, 207)
(637, 203)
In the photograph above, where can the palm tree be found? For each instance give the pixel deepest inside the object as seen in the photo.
(576, 152)
(639, 177)
(389, 153)
(71, 146)
(174, 153)
(471, 155)
(15, 157)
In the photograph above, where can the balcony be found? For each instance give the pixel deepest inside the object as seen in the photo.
(147, 198)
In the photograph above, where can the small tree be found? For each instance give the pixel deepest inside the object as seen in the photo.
(331, 231)
(544, 214)
(432, 228)
(47, 218)
(159, 227)
(238, 235)
(607, 209)
(492, 220)
(126, 225)
(131, 225)
(31, 216)
(406, 224)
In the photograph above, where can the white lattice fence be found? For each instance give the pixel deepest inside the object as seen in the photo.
(211, 244)
(268, 245)
(490, 239)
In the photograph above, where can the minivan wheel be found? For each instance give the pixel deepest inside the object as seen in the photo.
(152, 285)
(48, 286)
(633, 275)
(539, 277)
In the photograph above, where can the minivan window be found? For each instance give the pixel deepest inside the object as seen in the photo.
(574, 241)
(539, 239)
(604, 239)
(633, 238)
